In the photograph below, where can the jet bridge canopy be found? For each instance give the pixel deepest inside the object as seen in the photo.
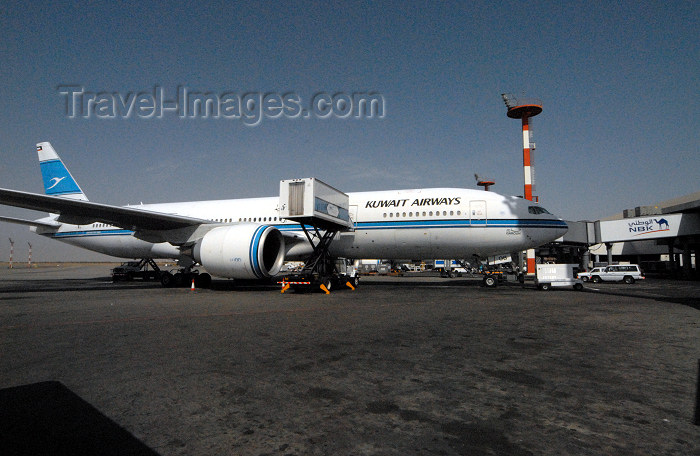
(312, 202)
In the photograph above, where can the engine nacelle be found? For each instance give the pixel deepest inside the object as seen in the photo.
(244, 251)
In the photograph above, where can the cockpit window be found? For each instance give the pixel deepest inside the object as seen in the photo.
(537, 210)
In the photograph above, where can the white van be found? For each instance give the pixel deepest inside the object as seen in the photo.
(623, 272)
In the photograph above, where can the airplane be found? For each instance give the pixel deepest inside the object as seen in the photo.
(247, 238)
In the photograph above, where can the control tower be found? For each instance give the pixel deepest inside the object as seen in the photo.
(523, 109)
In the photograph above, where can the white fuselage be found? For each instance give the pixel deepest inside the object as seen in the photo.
(416, 224)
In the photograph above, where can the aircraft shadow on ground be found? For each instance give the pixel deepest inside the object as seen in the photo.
(49, 419)
(422, 283)
(272, 285)
(96, 284)
(690, 301)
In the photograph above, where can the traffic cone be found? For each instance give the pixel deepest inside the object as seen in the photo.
(192, 287)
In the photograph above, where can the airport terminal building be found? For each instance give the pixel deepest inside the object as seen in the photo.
(663, 238)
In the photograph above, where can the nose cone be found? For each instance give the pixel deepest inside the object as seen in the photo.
(548, 230)
(541, 226)
(561, 228)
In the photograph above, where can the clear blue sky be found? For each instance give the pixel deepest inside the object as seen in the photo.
(619, 83)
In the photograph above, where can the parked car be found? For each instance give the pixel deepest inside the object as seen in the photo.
(586, 276)
(623, 272)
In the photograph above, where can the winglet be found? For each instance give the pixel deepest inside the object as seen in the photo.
(58, 181)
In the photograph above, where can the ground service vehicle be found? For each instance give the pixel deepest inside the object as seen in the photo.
(136, 269)
(556, 275)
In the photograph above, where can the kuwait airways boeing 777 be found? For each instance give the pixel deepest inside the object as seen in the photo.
(248, 239)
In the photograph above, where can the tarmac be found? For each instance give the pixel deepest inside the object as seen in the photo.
(413, 365)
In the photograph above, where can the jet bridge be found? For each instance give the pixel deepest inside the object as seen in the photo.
(312, 202)
(317, 207)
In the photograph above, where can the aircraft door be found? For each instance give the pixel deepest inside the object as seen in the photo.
(353, 215)
(477, 212)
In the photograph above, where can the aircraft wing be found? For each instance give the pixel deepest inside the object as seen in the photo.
(80, 212)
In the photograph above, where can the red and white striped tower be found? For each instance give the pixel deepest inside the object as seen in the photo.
(527, 161)
(523, 109)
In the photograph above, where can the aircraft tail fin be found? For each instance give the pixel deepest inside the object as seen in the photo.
(58, 181)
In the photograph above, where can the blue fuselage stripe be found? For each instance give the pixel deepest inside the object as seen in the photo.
(376, 225)
(464, 223)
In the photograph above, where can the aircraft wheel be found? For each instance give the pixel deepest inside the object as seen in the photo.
(203, 280)
(179, 279)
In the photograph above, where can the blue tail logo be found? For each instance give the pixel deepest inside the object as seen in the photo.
(57, 179)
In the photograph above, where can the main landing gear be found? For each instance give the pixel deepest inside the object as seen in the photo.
(184, 277)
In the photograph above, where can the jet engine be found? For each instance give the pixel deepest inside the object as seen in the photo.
(243, 251)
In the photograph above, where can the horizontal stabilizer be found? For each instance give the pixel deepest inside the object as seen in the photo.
(30, 222)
